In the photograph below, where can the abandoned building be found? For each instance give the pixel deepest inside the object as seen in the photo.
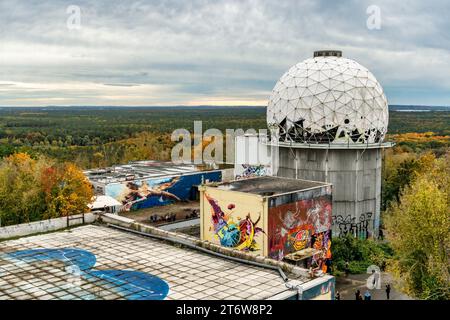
(281, 218)
(145, 184)
(327, 117)
(124, 260)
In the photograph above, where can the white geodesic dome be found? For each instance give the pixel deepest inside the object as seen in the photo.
(328, 99)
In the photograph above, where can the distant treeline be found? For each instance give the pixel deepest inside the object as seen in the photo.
(94, 136)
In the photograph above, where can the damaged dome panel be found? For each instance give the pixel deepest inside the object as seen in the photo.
(328, 99)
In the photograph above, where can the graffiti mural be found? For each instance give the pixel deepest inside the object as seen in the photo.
(349, 225)
(324, 291)
(300, 237)
(322, 260)
(129, 284)
(248, 171)
(147, 193)
(299, 225)
(234, 232)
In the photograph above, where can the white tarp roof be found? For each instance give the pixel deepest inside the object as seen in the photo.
(99, 202)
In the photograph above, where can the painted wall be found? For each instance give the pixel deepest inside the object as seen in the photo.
(356, 179)
(244, 171)
(299, 221)
(233, 219)
(322, 291)
(273, 227)
(147, 193)
(252, 158)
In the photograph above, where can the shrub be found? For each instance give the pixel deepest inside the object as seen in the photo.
(359, 253)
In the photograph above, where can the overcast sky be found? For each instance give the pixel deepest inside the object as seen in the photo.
(141, 53)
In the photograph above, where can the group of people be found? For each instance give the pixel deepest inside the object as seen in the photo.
(367, 295)
(167, 218)
(193, 214)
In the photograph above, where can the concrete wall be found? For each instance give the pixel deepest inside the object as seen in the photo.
(249, 151)
(25, 229)
(319, 289)
(322, 288)
(227, 174)
(252, 158)
(245, 171)
(356, 179)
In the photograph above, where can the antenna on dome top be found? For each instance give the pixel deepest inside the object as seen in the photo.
(327, 53)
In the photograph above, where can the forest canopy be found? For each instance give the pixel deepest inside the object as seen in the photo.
(37, 189)
(102, 136)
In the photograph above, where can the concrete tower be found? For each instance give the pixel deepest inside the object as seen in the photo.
(328, 117)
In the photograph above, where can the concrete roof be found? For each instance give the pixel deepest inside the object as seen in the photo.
(269, 186)
(188, 273)
(139, 170)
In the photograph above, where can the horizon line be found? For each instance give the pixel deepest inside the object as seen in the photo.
(194, 106)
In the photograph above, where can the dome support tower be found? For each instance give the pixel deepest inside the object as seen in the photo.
(328, 117)
(331, 115)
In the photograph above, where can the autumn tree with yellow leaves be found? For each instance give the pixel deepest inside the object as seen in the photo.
(36, 189)
(418, 228)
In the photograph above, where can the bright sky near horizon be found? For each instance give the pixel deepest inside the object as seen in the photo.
(142, 53)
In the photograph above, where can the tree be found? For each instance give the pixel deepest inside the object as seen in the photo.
(418, 227)
(67, 191)
(400, 170)
(360, 253)
(98, 158)
(6, 150)
(36, 189)
(20, 197)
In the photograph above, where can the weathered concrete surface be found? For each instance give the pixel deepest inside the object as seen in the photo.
(356, 178)
(184, 224)
(231, 252)
(25, 229)
(189, 274)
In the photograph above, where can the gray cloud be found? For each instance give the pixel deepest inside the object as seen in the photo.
(188, 52)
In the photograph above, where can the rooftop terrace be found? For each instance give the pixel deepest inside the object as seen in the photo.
(96, 262)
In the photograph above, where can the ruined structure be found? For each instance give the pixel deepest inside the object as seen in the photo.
(328, 117)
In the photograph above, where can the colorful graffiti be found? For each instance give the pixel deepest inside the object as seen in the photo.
(324, 291)
(248, 171)
(348, 225)
(300, 237)
(240, 234)
(132, 285)
(147, 193)
(322, 243)
(298, 225)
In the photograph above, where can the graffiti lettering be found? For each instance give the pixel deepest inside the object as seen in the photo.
(248, 171)
(348, 225)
